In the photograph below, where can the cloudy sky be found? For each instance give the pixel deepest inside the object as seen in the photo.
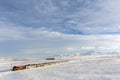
(54, 27)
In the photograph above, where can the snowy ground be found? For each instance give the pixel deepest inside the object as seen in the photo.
(79, 68)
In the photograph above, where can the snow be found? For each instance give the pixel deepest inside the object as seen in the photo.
(91, 67)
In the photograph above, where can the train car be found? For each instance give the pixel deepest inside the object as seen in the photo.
(29, 66)
(40, 65)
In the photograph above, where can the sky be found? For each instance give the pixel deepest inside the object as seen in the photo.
(58, 27)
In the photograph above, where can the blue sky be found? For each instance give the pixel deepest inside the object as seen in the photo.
(53, 27)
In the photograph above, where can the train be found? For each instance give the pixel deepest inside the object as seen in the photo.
(29, 66)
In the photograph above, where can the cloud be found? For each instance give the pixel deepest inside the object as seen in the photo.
(30, 41)
(37, 41)
(52, 26)
(71, 17)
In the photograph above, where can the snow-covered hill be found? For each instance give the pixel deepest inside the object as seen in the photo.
(80, 68)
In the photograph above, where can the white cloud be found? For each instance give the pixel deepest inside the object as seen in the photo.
(105, 19)
(89, 17)
(88, 48)
(71, 49)
(40, 41)
(43, 26)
